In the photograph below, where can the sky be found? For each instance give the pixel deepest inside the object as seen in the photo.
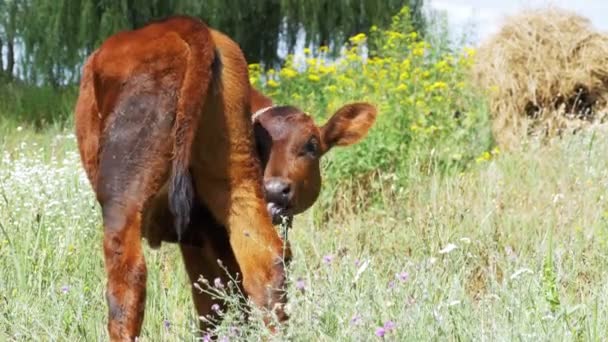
(483, 18)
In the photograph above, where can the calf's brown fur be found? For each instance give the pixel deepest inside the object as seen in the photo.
(167, 106)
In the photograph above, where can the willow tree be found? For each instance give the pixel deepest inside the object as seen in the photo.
(58, 34)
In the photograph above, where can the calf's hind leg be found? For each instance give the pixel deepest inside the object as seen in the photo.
(134, 163)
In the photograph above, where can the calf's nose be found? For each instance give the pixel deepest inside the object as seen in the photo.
(278, 190)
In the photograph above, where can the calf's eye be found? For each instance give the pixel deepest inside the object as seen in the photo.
(311, 148)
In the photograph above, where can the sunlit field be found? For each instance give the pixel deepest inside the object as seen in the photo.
(424, 231)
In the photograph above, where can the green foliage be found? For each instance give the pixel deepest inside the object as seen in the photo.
(37, 106)
(57, 35)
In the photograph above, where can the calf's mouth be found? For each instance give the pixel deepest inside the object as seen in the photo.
(280, 214)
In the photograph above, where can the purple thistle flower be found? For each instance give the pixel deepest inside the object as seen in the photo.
(389, 325)
(217, 282)
(328, 259)
(403, 276)
(215, 307)
(207, 338)
(391, 284)
(65, 289)
(300, 284)
(380, 332)
(167, 324)
(356, 319)
(357, 262)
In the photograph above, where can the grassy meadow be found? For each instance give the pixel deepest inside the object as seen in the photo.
(424, 231)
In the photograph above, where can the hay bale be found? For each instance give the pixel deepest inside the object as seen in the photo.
(545, 72)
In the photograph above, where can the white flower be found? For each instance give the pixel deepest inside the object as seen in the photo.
(448, 248)
(520, 272)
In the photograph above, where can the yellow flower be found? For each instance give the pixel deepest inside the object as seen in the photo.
(255, 67)
(470, 51)
(314, 78)
(288, 73)
(272, 83)
(437, 85)
(323, 49)
(307, 51)
(483, 157)
(327, 69)
(401, 87)
(358, 39)
(332, 88)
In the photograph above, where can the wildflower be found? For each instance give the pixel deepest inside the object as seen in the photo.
(355, 320)
(448, 248)
(470, 52)
(418, 51)
(327, 69)
(403, 276)
(314, 78)
(332, 88)
(207, 337)
(380, 332)
(485, 156)
(215, 307)
(389, 326)
(327, 259)
(167, 324)
(323, 49)
(358, 39)
(307, 51)
(288, 73)
(391, 284)
(65, 289)
(272, 83)
(300, 284)
(217, 282)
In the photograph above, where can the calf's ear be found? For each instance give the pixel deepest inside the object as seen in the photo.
(348, 125)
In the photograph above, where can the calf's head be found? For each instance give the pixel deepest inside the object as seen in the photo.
(290, 146)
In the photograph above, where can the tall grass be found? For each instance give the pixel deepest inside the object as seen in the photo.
(514, 248)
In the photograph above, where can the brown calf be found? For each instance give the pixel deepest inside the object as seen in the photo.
(137, 102)
(167, 107)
